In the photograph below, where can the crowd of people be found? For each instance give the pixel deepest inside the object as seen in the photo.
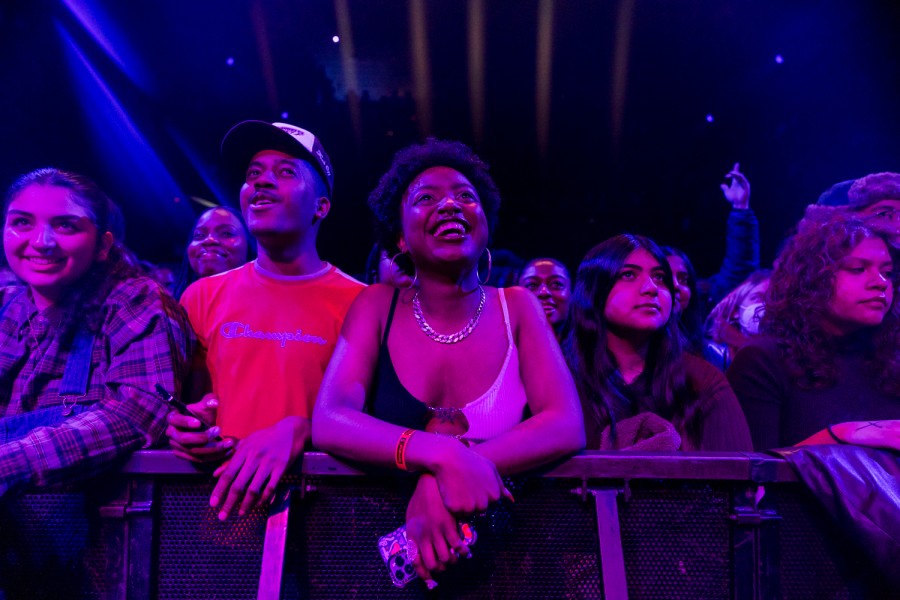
(430, 368)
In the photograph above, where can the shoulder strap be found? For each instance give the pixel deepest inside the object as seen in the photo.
(78, 366)
(387, 326)
(509, 334)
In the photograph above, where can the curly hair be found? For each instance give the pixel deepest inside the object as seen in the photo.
(600, 387)
(83, 303)
(801, 289)
(691, 317)
(408, 163)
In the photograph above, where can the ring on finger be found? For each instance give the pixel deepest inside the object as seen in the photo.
(412, 550)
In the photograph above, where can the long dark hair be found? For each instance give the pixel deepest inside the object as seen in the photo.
(187, 275)
(691, 318)
(600, 386)
(801, 288)
(82, 304)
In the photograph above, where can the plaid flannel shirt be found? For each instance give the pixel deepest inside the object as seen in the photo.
(145, 339)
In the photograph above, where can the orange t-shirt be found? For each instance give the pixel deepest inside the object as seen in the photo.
(266, 340)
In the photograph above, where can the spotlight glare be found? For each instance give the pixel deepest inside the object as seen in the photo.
(335, 39)
(779, 59)
(229, 61)
(710, 118)
(284, 115)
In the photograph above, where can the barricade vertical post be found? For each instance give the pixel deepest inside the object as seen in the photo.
(612, 558)
(140, 518)
(754, 547)
(275, 546)
(744, 543)
(116, 544)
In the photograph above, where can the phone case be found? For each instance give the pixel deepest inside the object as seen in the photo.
(393, 551)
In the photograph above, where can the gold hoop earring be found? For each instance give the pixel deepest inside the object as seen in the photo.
(488, 277)
(415, 278)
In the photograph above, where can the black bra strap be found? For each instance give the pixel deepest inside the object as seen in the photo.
(387, 326)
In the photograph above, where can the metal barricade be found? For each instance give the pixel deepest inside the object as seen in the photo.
(600, 525)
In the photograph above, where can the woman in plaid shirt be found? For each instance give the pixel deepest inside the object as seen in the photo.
(83, 341)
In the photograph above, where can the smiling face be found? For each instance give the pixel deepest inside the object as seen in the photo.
(549, 281)
(443, 220)
(682, 278)
(639, 302)
(279, 198)
(863, 288)
(51, 241)
(218, 243)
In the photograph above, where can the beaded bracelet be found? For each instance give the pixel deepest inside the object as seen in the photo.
(400, 450)
(834, 435)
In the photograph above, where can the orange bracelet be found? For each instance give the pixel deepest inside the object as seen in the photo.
(400, 450)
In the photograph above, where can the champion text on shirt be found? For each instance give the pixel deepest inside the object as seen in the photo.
(235, 329)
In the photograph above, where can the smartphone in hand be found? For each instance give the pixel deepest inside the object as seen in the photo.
(178, 405)
(394, 550)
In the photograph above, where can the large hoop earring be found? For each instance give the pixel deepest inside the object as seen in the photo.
(415, 278)
(488, 277)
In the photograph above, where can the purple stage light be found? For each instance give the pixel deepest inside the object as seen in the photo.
(779, 59)
(710, 118)
(115, 134)
(229, 61)
(335, 39)
(284, 115)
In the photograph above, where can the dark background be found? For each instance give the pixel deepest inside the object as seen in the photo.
(594, 112)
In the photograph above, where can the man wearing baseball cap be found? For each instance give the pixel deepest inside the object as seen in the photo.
(266, 329)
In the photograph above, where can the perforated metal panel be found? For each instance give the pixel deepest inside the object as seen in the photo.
(201, 557)
(677, 540)
(55, 545)
(816, 560)
(543, 546)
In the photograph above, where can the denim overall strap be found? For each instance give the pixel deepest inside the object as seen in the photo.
(78, 366)
(74, 384)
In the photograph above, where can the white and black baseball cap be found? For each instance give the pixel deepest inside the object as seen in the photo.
(245, 139)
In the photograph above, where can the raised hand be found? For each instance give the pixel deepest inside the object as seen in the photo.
(737, 190)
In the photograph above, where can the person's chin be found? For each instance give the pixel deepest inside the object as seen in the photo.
(42, 279)
(48, 287)
(265, 228)
(213, 266)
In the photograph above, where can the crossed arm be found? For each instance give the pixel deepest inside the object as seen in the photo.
(455, 481)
